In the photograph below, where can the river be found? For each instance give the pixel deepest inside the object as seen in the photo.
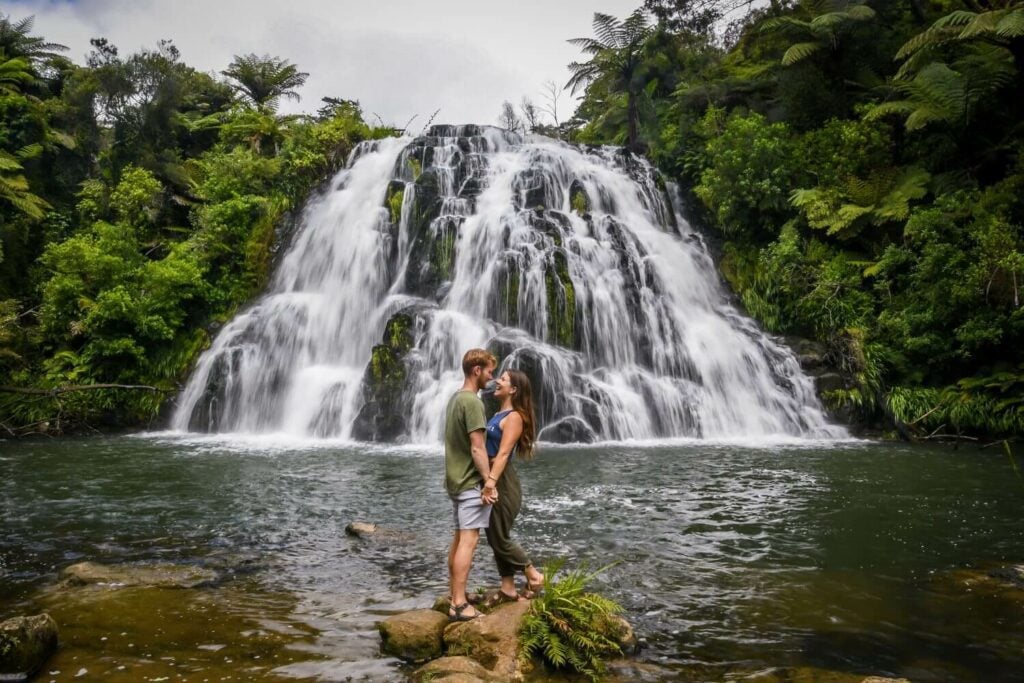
(730, 560)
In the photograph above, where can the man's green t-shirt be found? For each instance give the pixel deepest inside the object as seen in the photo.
(465, 414)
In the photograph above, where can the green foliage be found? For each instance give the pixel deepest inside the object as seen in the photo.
(864, 162)
(263, 81)
(138, 204)
(569, 628)
(750, 167)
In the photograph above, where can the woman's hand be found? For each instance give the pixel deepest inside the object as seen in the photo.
(489, 494)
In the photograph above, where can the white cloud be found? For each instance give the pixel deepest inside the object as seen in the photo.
(398, 58)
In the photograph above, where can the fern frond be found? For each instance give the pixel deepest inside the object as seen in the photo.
(799, 52)
(1011, 25)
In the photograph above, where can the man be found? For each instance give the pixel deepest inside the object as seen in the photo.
(467, 471)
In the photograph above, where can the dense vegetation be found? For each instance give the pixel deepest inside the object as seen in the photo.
(863, 164)
(138, 205)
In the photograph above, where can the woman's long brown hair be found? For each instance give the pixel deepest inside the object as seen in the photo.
(522, 403)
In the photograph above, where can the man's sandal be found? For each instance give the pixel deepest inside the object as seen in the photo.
(504, 597)
(458, 613)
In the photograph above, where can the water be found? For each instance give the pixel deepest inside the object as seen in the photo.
(571, 263)
(852, 559)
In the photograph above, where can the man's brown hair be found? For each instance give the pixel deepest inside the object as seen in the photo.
(477, 358)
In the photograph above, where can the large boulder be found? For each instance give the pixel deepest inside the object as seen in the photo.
(569, 429)
(415, 636)
(25, 645)
(160, 575)
(492, 640)
(381, 417)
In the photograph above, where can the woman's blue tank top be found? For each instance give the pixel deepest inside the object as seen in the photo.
(494, 432)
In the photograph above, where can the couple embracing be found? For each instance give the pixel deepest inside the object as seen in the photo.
(481, 479)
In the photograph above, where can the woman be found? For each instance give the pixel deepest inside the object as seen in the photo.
(512, 429)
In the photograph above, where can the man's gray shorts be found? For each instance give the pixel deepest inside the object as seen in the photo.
(470, 511)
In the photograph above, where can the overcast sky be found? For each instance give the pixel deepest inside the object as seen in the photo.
(398, 58)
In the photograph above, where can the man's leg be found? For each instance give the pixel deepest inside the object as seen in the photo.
(451, 560)
(462, 560)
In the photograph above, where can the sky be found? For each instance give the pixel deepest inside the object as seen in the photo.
(399, 58)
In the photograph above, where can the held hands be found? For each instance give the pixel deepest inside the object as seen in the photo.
(490, 492)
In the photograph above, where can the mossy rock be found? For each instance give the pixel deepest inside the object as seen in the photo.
(393, 199)
(25, 645)
(579, 201)
(385, 381)
(456, 669)
(561, 299)
(415, 636)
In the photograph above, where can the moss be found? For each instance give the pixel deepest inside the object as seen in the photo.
(443, 251)
(416, 166)
(561, 302)
(398, 333)
(395, 200)
(510, 294)
(579, 202)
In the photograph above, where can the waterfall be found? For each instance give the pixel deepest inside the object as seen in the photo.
(569, 263)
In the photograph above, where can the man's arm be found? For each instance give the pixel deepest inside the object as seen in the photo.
(482, 464)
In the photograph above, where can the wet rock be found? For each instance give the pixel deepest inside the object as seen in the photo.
(492, 640)
(415, 636)
(453, 670)
(370, 531)
(621, 631)
(381, 417)
(568, 430)
(829, 381)
(880, 679)
(810, 354)
(1012, 576)
(25, 645)
(162, 575)
(632, 671)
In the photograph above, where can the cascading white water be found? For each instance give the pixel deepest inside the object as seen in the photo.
(569, 263)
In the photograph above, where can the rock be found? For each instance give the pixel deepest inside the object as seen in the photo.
(569, 429)
(370, 531)
(385, 382)
(1012, 576)
(881, 679)
(161, 575)
(622, 633)
(453, 670)
(361, 529)
(25, 645)
(632, 671)
(810, 354)
(415, 636)
(829, 381)
(492, 640)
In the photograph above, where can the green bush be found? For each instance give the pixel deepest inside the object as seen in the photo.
(569, 628)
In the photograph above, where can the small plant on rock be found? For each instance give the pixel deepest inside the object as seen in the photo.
(569, 628)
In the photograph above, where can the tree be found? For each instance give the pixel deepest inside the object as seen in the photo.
(14, 188)
(509, 119)
(263, 81)
(531, 114)
(699, 16)
(551, 95)
(15, 41)
(827, 21)
(616, 57)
